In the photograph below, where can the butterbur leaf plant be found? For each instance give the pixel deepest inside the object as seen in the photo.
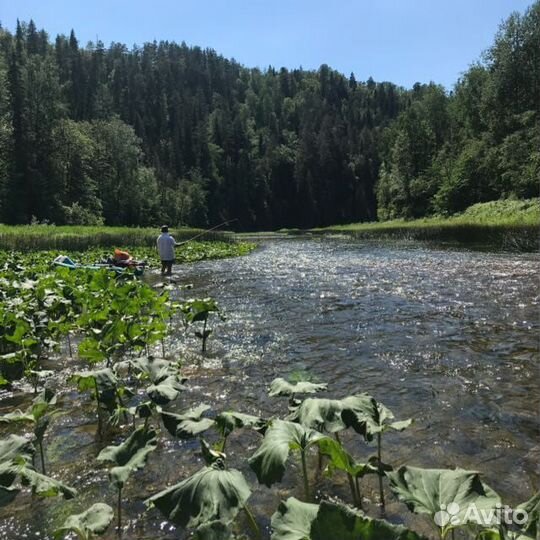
(282, 387)
(188, 424)
(371, 418)
(433, 491)
(268, 462)
(340, 459)
(296, 520)
(210, 454)
(129, 456)
(213, 494)
(105, 389)
(92, 522)
(532, 509)
(198, 310)
(16, 469)
(327, 416)
(228, 421)
(39, 414)
(528, 528)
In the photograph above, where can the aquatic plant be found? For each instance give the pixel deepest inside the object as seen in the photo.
(106, 390)
(268, 462)
(188, 424)
(428, 491)
(198, 310)
(371, 418)
(296, 520)
(16, 469)
(341, 460)
(207, 501)
(39, 414)
(282, 387)
(228, 421)
(85, 525)
(327, 416)
(129, 456)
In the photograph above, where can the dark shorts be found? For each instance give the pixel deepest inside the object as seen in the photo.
(168, 262)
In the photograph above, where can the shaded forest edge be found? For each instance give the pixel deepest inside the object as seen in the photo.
(170, 133)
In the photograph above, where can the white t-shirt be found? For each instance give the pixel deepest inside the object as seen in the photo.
(165, 245)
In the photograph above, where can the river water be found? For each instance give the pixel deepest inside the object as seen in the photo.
(445, 336)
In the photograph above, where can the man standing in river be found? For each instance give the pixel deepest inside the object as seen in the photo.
(165, 246)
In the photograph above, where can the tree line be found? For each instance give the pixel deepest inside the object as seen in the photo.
(178, 134)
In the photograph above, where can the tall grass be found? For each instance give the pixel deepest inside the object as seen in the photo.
(505, 224)
(494, 213)
(79, 238)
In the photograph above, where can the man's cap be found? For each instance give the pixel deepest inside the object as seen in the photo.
(164, 228)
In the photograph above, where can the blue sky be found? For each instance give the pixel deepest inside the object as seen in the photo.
(402, 41)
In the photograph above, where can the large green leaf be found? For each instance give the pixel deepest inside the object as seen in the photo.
(95, 520)
(15, 454)
(16, 463)
(45, 486)
(211, 494)
(215, 530)
(165, 391)
(227, 422)
(130, 455)
(342, 460)
(327, 414)
(42, 403)
(431, 491)
(104, 379)
(154, 369)
(188, 424)
(339, 521)
(13, 446)
(269, 460)
(17, 416)
(370, 417)
(320, 414)
(35, 413)
(281, 387)
(198, 309)
(295, 520)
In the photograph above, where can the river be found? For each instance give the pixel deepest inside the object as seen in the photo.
(446, 336)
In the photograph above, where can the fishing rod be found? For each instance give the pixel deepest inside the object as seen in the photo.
(209, 230)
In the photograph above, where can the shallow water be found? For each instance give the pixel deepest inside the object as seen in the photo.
(446, 336)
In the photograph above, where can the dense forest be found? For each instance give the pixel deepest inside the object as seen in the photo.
(178, 134)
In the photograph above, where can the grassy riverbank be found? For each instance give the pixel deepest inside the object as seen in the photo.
(505, 224)
(79, 238)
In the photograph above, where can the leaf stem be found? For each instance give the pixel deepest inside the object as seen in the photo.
(223, 444)
(252, 523)
(358, 493)
(381, 490)
(304, 474)
(42, 456)
(204, 335)
(119, 510)
(98, 407)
